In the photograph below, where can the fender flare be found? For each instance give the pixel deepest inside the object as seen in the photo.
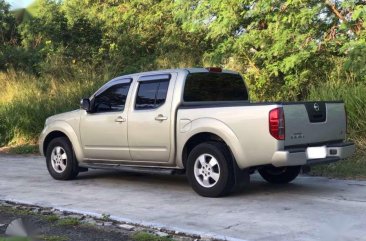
(209, 125)
(65, 128)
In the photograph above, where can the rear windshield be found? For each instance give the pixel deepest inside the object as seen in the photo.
(214, 87)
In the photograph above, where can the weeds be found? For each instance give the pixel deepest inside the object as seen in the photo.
(145, 236)
(68, 222)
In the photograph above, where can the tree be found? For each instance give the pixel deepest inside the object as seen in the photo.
(281, 46)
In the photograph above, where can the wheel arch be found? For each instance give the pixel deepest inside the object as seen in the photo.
(60, 129)
(207, 129)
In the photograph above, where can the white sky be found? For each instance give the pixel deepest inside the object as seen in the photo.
(19, 3)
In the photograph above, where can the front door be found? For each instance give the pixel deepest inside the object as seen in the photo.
(149, 121)
(103, 131)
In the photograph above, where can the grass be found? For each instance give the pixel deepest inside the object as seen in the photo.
(26, 101)
(145, 236)
(52, 238)
(51, 218)
(68, 222)
(352, 168)
(14, 239)
(21, 149)
(22, 212)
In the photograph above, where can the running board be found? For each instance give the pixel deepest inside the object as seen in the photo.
(147, 170)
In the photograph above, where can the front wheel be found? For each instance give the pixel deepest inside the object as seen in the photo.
(210, 170)
(60, 159)
(279, 175)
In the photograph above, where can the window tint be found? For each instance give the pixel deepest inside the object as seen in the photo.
(214, 87)
(112, 99)
(151, 94)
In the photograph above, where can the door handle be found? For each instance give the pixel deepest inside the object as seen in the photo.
(161, 117)
(120, 119)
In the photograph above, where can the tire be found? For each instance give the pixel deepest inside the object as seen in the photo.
(279, 175)
(209, 161)
(60, 159)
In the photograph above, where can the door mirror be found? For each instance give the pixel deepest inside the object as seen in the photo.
(85, 104)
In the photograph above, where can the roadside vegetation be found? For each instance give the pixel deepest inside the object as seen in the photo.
(58, 227)
(56, 52)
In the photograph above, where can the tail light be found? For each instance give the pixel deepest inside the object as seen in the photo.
(277, 123)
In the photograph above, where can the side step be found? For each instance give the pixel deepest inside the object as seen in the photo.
(146, 170)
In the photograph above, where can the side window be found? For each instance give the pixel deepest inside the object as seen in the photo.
(112, 99)
(151, 94)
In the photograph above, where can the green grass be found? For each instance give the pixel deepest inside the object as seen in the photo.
(17, 211)
(352, 168)
(145, 236)
(26, 101)
(51, 218)
(52, 238)
(68, 222)
(14, 239)
(23, 149)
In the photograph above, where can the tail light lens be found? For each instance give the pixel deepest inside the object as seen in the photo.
(277, 123)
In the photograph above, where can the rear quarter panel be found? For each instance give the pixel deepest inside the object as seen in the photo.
(243, 128)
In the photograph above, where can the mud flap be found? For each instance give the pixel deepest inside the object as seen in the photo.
(242, 177)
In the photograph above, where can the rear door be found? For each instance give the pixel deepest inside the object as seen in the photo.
(314, 122)
(149, 120)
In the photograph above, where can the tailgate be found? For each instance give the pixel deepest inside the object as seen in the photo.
(314, 122)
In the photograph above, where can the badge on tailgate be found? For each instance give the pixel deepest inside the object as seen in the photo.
(316, 152)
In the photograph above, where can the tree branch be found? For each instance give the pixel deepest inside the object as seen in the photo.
(334, 10)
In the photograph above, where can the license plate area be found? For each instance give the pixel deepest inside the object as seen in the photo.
(316, 152)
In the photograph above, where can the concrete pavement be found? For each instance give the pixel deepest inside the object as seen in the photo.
(311, 208)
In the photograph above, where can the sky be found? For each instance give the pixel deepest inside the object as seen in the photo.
(19, 3)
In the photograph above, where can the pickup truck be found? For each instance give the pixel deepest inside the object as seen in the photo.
(197, 121)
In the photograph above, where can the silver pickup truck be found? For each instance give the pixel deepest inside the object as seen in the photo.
(196, 121)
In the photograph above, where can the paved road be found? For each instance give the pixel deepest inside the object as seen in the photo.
(309, 209)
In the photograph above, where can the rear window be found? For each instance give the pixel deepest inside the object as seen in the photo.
(214, 87)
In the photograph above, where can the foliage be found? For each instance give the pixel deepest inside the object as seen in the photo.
(68, 222)
(26, 101)
(145, 236)
(351, 168)
(281, 46)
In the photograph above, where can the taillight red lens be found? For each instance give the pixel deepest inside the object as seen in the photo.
(277, 123)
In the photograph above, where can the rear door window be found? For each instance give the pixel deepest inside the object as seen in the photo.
(151, 94)
(214, 87)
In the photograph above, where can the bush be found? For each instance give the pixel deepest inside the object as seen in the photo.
(27, 101)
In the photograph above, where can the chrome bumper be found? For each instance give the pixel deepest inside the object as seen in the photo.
(298, 156)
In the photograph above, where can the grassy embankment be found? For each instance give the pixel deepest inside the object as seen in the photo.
(26, 101)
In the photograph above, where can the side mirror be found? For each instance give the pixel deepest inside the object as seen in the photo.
(85, 104)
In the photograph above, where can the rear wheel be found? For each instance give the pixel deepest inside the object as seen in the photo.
(209, 169)
(60, 159)
(279, 175)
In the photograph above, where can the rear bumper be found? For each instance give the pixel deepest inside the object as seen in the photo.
(298, 156)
